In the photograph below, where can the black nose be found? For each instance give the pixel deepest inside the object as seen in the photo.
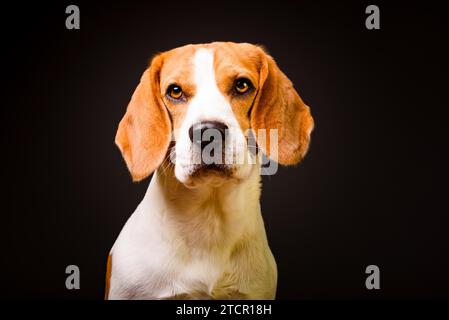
(203, 133)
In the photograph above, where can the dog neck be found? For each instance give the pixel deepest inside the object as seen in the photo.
(205, 216)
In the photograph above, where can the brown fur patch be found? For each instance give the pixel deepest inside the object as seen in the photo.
(278, 106)
(108, 277)
(143, 134)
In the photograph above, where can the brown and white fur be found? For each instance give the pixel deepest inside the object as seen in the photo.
(199, 233)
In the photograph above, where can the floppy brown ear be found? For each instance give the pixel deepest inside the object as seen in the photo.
(143, 134)
(278, 106)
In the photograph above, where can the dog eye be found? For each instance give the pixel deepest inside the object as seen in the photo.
(242, 85)
(174, 91)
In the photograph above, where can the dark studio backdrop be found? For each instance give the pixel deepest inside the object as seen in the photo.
(372, 189)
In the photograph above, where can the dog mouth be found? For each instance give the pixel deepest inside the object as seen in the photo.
(213, 169)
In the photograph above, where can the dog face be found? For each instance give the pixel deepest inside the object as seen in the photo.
(196, 105)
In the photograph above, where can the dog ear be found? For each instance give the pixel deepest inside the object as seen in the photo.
(143, 135)
(278, 106)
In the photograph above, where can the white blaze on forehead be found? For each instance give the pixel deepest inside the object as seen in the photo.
(204, 72)
(209, 104)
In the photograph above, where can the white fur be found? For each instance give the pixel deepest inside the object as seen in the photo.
(206, 241)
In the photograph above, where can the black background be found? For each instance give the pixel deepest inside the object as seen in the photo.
(372, 190)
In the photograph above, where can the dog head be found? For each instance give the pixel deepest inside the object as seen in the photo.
(196, 105)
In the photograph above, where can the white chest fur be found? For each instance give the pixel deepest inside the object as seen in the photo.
(182, 243)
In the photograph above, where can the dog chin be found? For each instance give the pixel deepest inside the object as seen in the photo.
(214, 175)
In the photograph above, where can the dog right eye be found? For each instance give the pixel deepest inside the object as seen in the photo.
(174, 91)
(242, 85)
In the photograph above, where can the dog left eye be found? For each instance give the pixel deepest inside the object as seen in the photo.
(175, 92)
(242, 85)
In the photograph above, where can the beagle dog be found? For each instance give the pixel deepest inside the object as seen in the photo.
(198, 232)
